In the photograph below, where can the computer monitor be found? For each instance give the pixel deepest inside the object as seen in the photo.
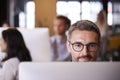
(70, 71)
(38, 43)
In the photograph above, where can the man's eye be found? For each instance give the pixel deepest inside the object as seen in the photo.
(77, 45)
(92, 45)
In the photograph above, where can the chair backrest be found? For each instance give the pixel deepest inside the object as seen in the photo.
(38, 43)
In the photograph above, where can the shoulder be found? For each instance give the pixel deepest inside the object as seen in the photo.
(52, 39)
(11, 63)
(9, 69)
(12, 60)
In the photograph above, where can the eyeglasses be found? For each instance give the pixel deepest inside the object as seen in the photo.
(78, 46)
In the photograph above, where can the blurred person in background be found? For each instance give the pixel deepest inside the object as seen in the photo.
(103, 27)
(13, 45)
(58, 41)
(83, 41)
(5, 24)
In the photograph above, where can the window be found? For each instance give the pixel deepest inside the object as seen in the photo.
(85, 10)
(27, 19)
(22, 19)
(110, 15)
(30, 14)
(71, 9)
(75, 10)
(116, 13)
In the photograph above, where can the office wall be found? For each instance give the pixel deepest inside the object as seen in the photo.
(45, 12)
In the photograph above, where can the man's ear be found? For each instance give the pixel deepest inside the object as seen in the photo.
(67, 27)
(68, 46)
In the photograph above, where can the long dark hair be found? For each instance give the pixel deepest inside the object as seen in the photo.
(15, 45)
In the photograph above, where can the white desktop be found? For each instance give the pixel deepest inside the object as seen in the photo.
(37, 41)
(70, 71)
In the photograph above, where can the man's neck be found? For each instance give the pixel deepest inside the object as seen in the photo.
(61, 37)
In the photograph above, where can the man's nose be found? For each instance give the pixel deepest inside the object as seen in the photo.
(84, 52)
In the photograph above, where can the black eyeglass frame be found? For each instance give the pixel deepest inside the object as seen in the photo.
(87, 45)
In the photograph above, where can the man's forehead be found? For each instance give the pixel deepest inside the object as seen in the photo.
(59, 21)
(84, 36)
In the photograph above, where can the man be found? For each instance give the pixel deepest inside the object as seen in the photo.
(83, 41)
(58, 41)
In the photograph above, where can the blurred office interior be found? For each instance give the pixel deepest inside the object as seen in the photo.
(40, 13)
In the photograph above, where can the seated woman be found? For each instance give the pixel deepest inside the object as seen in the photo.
(12, 43)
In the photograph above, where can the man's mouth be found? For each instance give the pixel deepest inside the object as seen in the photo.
(84, 59)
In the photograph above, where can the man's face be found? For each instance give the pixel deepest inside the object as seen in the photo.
(60, 27)
(83, 46)
(3, 45)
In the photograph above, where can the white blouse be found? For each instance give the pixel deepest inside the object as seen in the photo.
(9, 69)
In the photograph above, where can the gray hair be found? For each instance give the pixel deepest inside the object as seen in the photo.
(84, 25)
